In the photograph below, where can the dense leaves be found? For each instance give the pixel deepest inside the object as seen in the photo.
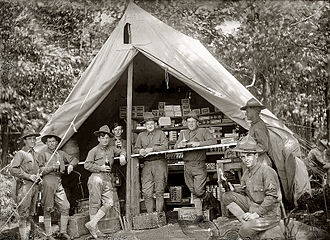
(282, 45)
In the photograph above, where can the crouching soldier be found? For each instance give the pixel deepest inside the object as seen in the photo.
(260, 202)
(101, 191)
(52, 167)
(25, 169)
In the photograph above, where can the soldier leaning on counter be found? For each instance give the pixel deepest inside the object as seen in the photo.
(99, 161)
(52, 167)
(154, 172)
(195, 173)
(25, 169)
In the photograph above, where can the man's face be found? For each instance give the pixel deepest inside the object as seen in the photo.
(150, 125)
(30, 141)
(51, 143)
(104, 140)
(251, 113)
(192, 123)
(249, 159)
(117, 131)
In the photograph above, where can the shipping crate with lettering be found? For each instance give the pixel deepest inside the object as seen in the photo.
(176, 193)
(149, 220)
(76, 225)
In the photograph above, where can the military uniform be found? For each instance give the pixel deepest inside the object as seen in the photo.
(23, 165)
(262, 193)
(195, 173)
(154, 172)
(259, 132)
(100, 187)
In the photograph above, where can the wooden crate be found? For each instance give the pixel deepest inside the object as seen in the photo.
(76, 225)
(189, 213)
(109, 224)
(149, 220)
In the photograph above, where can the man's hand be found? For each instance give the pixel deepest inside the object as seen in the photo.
(143, 152)
(195, 144)
(122, 160)
(105, 168)
(182, 144)
(149, 150)
(250, 216)
(34, 178)
(70, 169)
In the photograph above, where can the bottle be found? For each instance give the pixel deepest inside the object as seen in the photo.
(57, 165)
(226, 185)
(39, 210)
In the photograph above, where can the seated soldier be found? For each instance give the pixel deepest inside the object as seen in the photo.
(260, 202)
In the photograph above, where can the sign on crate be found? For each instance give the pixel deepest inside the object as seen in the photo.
(189, 213)
(149, 220)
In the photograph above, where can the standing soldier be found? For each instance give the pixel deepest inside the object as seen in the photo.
(52, 167)
(261, 201)
(258, 129)
(154, 172)
(195, 173)
(117, 140)
(101, 191)
(25, 168)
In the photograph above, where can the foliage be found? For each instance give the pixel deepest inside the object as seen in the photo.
(7, 203)
(46, 45)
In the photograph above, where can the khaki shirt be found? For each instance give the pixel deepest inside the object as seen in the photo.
(156, 140)
(100, 156)
(201, 135)
(113, 142)
(25, 163)
(59, 155)
(263, 188)
(259, 132)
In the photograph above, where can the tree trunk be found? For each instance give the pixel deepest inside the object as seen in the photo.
(5, 141)
(327, 102)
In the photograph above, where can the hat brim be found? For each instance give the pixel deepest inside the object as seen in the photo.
(245, 107)
(31, 135)
(247, 150)
(196, 118)
(149, 119)
(97, 133)
(44, 138)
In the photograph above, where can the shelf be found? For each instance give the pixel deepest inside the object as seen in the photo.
(178, 203)
(214, 153)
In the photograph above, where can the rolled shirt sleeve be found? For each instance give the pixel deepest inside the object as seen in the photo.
(69, 159)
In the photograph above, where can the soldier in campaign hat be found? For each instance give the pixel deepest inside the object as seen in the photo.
(99, 162)
(258, 129)
(261, 201)
(52, 166)
(154, 172)
(25, 168)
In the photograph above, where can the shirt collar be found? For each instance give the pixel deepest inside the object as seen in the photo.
(255, 120)
(27, 149)
(50, 151)
(102, 147)
(254, 169)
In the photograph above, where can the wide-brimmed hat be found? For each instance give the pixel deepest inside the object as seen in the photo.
(29, 132)
(247, 144)
(148, 116)
(103, 129)
(253, 103)
(191, 114)
(50, 134)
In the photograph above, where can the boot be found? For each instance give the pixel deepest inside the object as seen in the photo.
(64, 226)
(92, 224)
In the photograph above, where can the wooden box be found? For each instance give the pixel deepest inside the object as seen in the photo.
(76, 225)
(109, 224)
(176, 193)
(189, 213)
(149, 220)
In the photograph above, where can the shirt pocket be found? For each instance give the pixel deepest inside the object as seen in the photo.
(100, 159)
(258, 193)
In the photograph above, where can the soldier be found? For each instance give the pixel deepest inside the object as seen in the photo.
(258, 129)
(52, 167)
(25, 168)
(101, 191)
(154, 172)
(117, 141)
(261, 201)
(195, 173)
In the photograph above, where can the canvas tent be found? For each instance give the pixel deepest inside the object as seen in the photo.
(156, 48)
